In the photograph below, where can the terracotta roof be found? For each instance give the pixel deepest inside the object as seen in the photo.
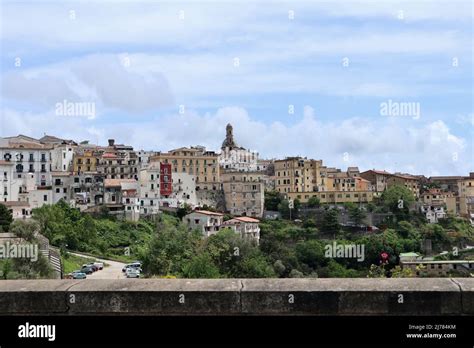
(246, 219)
(361, 179)
(378, 172)
(206, 212)
(109, 155)
(117, 182)
(405, 176)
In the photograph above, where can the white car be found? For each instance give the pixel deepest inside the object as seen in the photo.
(99, 265)
(132, 273)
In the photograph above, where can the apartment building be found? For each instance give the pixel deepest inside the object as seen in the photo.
(121, 197)
(296, 174)
(144, 157)
(208, 222)
(61, 186)
(411, 182)
(465, 199)
(204, 165)
(183, 192)
(378, 179)
(118, 162)
(87, 189)
(301, 178)
(161, 187)
(86, 159)
(62, 153)
(10, 186)
(247, 227)
(244, 192)
(28, 155)
(149, 188)
(447, 183)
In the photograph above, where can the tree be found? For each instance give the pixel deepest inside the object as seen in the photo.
(25, 229)
(272, 200)
(6, 268)
(183, 211)
(398, 199)
(331, 221)
(170, 249)
(5, 218)
(357, 215)
(311, 253)
(314, 202)
(284, 208)
(255, 266)
(201, 266)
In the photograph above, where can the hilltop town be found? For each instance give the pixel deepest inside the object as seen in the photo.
(133, 184)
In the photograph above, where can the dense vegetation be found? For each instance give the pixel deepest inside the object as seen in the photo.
(66, 227)
(21, 268)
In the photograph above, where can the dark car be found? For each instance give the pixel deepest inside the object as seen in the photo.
(87, 270)
(91, 265)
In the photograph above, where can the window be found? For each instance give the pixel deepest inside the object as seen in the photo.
(45, 198)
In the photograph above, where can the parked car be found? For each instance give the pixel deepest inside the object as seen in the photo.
(132, 273)
(78, 275)
(91, 265)
(136, 265)
(87, 270)
(99, 265)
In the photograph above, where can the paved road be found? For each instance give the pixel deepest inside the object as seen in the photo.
(112, 271)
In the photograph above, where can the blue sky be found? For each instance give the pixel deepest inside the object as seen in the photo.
(334, 61)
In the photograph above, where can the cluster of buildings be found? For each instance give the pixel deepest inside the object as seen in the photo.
(133, 183)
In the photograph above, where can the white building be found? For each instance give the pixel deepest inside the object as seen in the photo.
(247, 227)
(149, 189)
(433, 213)
(28, 155)
(62, 186)
(184, 192)
(144, 157)
(19, 210)
(10, 186)
(208, 222)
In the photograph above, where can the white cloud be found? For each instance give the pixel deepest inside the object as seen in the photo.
(103, 79)
(386, 143)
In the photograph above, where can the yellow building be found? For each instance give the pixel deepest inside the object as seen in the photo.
(243, 192)
(465, 202)
(301, 178)
(85, 161)
(334, 197)
(296, 174)
(204, 165)
(409, 181)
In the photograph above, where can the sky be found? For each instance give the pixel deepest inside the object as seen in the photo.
(300, 78)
